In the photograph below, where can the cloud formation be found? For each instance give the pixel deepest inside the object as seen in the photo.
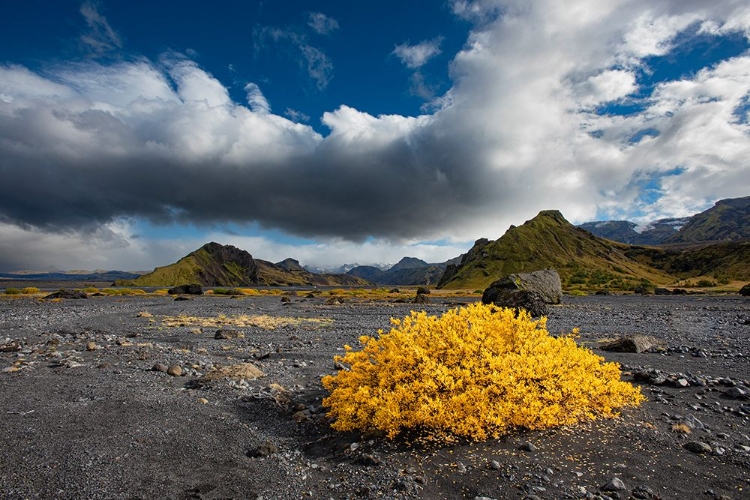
(416, 56)
(100, 38)
(317, 64)
(525, 127)
(322, 24)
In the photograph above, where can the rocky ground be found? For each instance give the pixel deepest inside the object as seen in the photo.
(105, 398)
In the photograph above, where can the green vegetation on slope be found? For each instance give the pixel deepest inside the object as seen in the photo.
(728, 220)
(550, 241)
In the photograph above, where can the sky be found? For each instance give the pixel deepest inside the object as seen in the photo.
(132, 133)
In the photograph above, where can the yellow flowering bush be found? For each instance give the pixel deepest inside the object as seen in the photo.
(474, 372)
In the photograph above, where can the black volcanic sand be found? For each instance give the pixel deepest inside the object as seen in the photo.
(80, 423)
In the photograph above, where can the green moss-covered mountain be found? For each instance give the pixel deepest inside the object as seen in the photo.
(225, 265)
(550, 241)
(727, 220)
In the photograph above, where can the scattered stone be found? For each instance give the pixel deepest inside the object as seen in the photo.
(203, 401)
(642, 492)
(160, 367)
(192, 289)
(546, 283)
(265, 449)
(180, 298)
(495, 465)
(633, 343)
(745, 290)
(527, 446)
(91, 346)
(174, 370)
(286, 300)
(423, 290)
(11, 346)
(368, 459)
(735, 393)
(679, 291)
(301, 416)
(615, 484)
(333, 301)
(662, 291)
(64, 293)
(225, 334)
(421, 298)
(697, 447)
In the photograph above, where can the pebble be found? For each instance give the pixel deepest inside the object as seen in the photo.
(642, 492)
(527, 446)
(91, 346)
(265, 449)
(174, 370)
(160, 367)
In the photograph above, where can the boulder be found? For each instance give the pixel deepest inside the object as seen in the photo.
(533, 302)
(421, 298)
(662, 291)
(745, 290)
(633, 343)
(546, 283)
(192, 289)
(64, 293)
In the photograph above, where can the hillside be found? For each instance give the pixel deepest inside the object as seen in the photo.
(550, 241)
(727, 261)
(225, 265)
(727, 220)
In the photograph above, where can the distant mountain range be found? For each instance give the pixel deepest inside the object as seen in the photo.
(70, 275)
(408, 271)
(711, 245)
(727, 220)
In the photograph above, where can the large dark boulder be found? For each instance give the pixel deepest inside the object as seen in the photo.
(186, 290)
(546, 283)
(533, 302)
(745, 290)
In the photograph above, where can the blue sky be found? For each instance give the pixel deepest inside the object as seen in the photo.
(133, 132)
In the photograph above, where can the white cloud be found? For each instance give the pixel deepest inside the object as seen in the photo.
(322, 24)
(256, 99)
(416, 56)
(296, 116)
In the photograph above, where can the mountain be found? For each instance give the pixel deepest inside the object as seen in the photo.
(550, 241)
(97, 275)
(727, 220)
(408, 271)
(225, 265)
(624, 231)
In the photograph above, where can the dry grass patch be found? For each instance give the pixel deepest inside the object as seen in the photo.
(246, 371)
(263, 321)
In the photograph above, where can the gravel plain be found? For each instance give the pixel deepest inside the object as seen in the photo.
(86, 414)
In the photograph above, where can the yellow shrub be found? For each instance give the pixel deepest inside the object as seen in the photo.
(475, 372)
(30, 290)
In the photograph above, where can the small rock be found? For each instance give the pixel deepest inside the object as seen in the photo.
(174, 370)
(225, 334)
(527, 446)
(495, 465)
(697, 447)
(265, 449)
(300, 417)
(160, 367)
(735, 393)
(615, 484)
(203, 401)
(369, 460)
(181, 298)
(642, 492)
(91, 346)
